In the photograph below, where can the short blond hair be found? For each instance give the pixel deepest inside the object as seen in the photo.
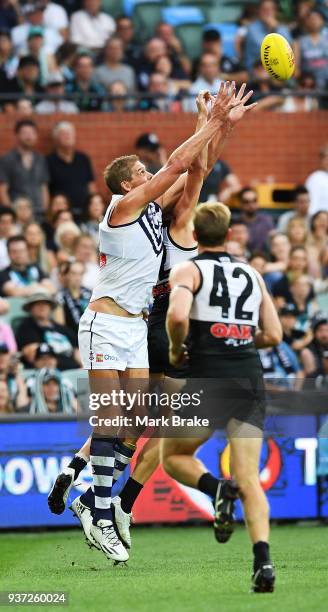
(211, 223)
(118, 171)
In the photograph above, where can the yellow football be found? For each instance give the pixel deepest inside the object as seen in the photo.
(277, 57)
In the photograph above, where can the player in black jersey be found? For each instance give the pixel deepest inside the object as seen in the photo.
(225, 307)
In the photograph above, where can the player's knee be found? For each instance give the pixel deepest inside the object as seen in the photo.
(247, 481)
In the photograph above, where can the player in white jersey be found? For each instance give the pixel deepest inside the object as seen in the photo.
(224, 305)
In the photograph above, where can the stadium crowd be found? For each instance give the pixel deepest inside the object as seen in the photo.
(70, 56)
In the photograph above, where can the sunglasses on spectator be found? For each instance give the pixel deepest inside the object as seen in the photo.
(249, 201)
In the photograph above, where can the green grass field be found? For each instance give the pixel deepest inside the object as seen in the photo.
(170, 570)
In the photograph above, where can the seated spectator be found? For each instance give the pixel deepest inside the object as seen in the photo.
(9, 14)
(33, 13)
(302, 10)
(230, 68)
(317, 184)
(164, 66)
(297, 266)
(151, 152)
(317, 244)
(267, 91)
(311, 49)
(95, 213)
(55, 16)
(221, 184)
(23, 171)
(9, 373)
(24, 109)
(314, 357)
(45, 357)
(112, 69)
(158, 88)
(236, 250)
(58, 203)
(302, 296)
(55, 87)
(25, 82)
(153, 50)
(240, 234)
(66, 56)
(297, 339)
(6, 406)
(301, 206)
(267, 22)
(90, 27)
(208, 78)
(258, 260)
(21, 278)
(65, 236)
(281, 367)
(8, 59)
(297, 232)
(74, 298)
(179, 59)
(39, 327)
(301, 104)
(51, 393)
(85, 252)
(70, 170)
(24, 213)
(37, 250)
(259, 224)
(7, 229)
(91, 94)
(35, 48)
(131, 47)
(119, 102)
(279, 253)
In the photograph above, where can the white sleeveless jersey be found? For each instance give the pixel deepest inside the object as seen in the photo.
(225, 310)
(130, 258)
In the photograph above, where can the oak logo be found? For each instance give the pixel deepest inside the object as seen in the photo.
(238, 332)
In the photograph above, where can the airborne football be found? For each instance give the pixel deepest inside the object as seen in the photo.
(164, 305)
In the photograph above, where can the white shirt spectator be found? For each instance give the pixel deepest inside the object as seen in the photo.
(55, 16)
(317, 184)
(91, 31)
(47, 107)
(52, 39)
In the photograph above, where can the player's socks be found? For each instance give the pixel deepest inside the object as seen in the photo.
(78, 464)
(123, 455)
(208, 484)
(261, 552)
(263, 577)
(88, 499)
(129, 494)
(102, 458)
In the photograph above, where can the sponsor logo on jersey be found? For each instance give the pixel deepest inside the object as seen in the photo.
(99, 357)
(102, 260)
(237, 332)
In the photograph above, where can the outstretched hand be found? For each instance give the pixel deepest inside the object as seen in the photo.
(202, 99)
(225, 101)
(237, 113)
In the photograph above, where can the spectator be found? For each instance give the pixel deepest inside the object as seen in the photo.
(74, 298)
(66, 56)
(297, 266)
(317, 184)
(6, 406)
(9, 372)
(249, 15)
(240, 234)
(132, 49)
(279, 252)
(58, 203)
(317, 244)
(39, 327)
(33, 13)
(281, 367)
(235, 249)
(315, 356)
(26, 82)
(8, 59)
(208, 79)
(90, 27)
(51, 394)
(65, 236)
(311, 50)
(21, 278)
(158, 89)
(179, 59)
(297, 232)
(301, 104)
(164, 67)
(301, 206)
(36, 49)
(119, 102)
(267, 22)
(302, 294)
(112, 69)
(230, 68)
(266, 91)
(85, 252)
(303, 10)
(70, 170)
(221, 184)
(23, 171)
(7, 337)
(7, 229)
(259, 224)
(95, 213)
(24, 213)
(9, 14)
(258, 260)
(90, 93)
(24, 109)
(151, 152)
(45, 357)
(153, 50)
(57, 103)
(55, 16)
(36, 245)
(297, 339)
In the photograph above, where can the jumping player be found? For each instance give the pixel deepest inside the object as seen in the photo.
(220, 302)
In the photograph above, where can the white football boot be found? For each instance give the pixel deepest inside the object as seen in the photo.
(83, 513)
(122, 521)
(106, 538)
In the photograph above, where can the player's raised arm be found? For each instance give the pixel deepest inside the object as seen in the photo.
(270, 332)
(184, 281)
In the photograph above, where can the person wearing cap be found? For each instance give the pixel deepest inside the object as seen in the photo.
(297, 339)
(35, 48)
(33, 13)
(39, 327)
(55, 87)
(315, 356)
(230, 67)
(151, 152)
(26, 81)
(45, 357)
(50, 393)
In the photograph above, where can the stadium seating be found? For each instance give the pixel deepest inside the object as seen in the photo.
(146, 16)
(15, 309)
(129, 6)
(179, 15)
(228, 33)
(114, 8)
(190, 35)
(225, 13)
(203, 5)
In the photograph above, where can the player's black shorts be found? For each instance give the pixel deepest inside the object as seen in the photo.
(231, 389)
(158, 352)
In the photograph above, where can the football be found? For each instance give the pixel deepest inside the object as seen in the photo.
(277, 57)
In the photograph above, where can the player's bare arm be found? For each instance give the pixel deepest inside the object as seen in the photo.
(270, 332)
(184, 280)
